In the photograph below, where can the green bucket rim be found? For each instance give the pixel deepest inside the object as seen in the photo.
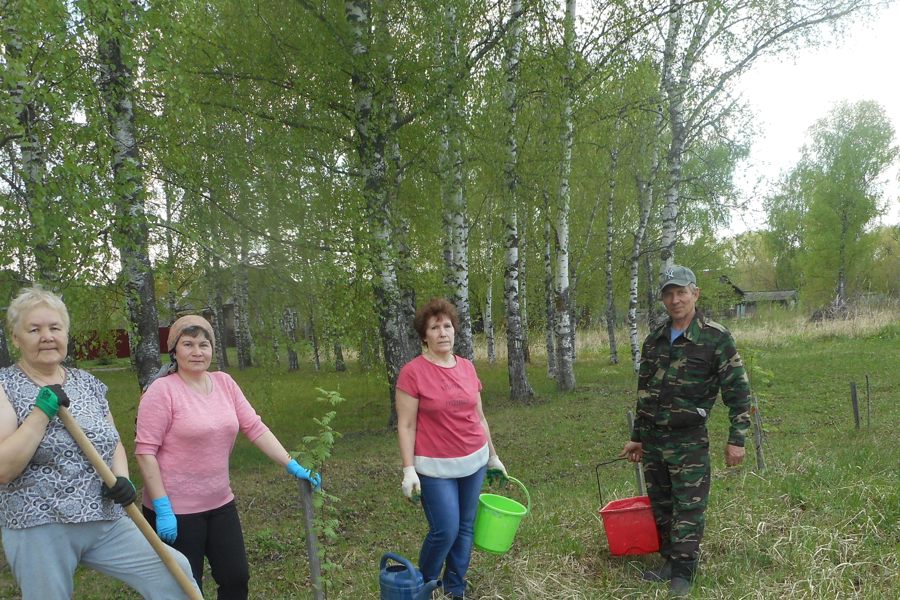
(481, 500)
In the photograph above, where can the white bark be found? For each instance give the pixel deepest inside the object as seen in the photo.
(734, 34)
(370, 141)
(565, 373)
(608, 263)
(519, 387)
(32, 166)
(549, 312)
(241, 292)
(131, 236)
(457, 246)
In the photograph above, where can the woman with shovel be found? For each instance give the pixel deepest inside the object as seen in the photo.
(55, 512)
(187, 423)
(445, 445)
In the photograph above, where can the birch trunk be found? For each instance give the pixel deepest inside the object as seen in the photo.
(565, 372)
(523, 290)
(314, 339)
(608, 266)
(217, 304)
(488, 314)
(550, 329)
(289, 320)
(369, 138)
(131, 233)
(32, 166)
(645, 200)
(243, 337)
(5, 358)
(519, 387)
(339, 365)
(457, 253)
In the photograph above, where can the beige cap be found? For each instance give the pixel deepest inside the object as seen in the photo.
(181, 323)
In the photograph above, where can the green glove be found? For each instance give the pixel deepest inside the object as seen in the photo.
(50, 398)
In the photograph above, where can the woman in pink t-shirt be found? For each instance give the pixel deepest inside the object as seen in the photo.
(445, 445)
(187, 424)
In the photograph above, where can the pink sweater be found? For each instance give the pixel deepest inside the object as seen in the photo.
(192, 436)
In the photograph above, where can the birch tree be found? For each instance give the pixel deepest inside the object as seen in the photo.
(707, 45)
(115, 23)
(565, 372)
(452, 174)
(519, 388)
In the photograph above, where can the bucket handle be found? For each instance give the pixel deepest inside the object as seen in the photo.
(524, 489)
(597, 473)
(396, 558)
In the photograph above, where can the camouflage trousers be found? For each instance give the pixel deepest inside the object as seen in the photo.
(677, 474)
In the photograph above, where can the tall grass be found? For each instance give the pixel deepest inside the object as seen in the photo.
(820, 523)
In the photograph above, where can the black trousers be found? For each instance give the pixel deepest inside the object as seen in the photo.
(215, 534)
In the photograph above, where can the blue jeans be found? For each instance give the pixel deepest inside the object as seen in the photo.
(450, 506)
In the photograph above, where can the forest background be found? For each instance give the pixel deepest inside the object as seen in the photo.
(304, 172)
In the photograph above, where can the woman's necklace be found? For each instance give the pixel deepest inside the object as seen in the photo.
(450, 361)
(202, 386)
(58, 374)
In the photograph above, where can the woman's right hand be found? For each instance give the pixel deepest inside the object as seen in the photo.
(411, 486)
(50, 398)
(166, 523)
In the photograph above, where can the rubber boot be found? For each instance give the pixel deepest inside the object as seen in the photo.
(660, 574)
(679, 587)
(683, 572)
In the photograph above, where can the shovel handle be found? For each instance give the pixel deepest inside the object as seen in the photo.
(133, 511)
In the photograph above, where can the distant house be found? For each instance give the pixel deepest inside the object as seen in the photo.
(748, 301)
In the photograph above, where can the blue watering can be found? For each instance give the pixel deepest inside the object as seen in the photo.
(403, 581)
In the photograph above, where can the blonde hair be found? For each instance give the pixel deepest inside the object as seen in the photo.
(31, 298)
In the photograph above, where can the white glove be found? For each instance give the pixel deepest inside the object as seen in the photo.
(410, 483)
(494, 463)
(496, 471)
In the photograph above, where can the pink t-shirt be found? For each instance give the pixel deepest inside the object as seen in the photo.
(192, 436)
(450, 440)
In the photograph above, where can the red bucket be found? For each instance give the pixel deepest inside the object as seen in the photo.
(630, 527)
(629, 523)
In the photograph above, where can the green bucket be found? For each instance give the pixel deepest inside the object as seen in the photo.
(497, 520)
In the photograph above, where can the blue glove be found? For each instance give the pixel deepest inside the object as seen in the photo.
(166, 523)
(300, 472)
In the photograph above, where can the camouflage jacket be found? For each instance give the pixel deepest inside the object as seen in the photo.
(678, 383)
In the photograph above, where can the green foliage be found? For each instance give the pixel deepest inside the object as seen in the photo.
(831, 198)
(314, 453)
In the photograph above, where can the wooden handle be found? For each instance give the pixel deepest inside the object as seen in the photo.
(187, 584)
(312, 542)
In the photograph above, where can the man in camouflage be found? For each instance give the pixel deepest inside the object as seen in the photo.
(684, 364)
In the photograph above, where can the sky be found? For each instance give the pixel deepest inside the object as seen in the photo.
(788, 94)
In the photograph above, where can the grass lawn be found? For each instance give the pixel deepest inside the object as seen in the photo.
(821, 522)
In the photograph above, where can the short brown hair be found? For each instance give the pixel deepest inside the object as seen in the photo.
(435, 307)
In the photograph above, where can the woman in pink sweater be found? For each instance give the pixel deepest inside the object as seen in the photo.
(187, 424)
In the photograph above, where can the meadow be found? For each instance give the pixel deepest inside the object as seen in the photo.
(821, 522)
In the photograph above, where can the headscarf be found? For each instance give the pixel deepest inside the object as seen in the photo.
(176, 328)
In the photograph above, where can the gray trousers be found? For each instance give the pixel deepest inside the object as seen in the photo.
(43, 559)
